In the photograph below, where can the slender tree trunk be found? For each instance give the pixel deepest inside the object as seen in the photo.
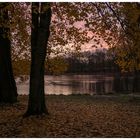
(8, 90)
(136, 81)
(39, 39)
(117, 83)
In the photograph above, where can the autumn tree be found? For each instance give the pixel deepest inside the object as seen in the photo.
(127, 44)
(66, 35)
(8, 90)
(20, 37)
(41, 18)
(57, 65)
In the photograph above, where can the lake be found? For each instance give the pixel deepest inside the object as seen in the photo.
(73, 84)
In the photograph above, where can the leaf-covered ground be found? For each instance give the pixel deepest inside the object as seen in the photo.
(74, 116)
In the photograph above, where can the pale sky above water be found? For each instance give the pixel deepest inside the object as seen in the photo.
(91, 45)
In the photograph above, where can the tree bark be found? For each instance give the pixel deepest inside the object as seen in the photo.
(117, 83)
(8, 90)
(136, 82)
(39, 38)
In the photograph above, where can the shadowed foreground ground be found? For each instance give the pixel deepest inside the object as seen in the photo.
(74, 116)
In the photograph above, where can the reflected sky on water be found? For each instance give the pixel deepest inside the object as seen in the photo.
(72, 84)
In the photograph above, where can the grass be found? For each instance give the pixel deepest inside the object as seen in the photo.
(74, 116)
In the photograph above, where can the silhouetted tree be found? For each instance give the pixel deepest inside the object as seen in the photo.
(8, 90)
(39, 38)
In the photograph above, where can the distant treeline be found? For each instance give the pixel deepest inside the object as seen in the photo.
(85, 62)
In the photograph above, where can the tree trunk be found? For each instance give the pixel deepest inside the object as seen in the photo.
(39, 39)
(117, 83)
(136, 81)
(8, 90)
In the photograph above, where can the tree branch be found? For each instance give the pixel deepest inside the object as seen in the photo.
(115, 14)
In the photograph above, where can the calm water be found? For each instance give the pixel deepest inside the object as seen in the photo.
(73, 84)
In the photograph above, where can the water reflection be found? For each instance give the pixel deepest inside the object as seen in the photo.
(73, 84)
(82, 84)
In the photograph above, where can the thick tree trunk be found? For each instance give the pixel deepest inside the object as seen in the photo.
(8, 90)
(40, 35)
